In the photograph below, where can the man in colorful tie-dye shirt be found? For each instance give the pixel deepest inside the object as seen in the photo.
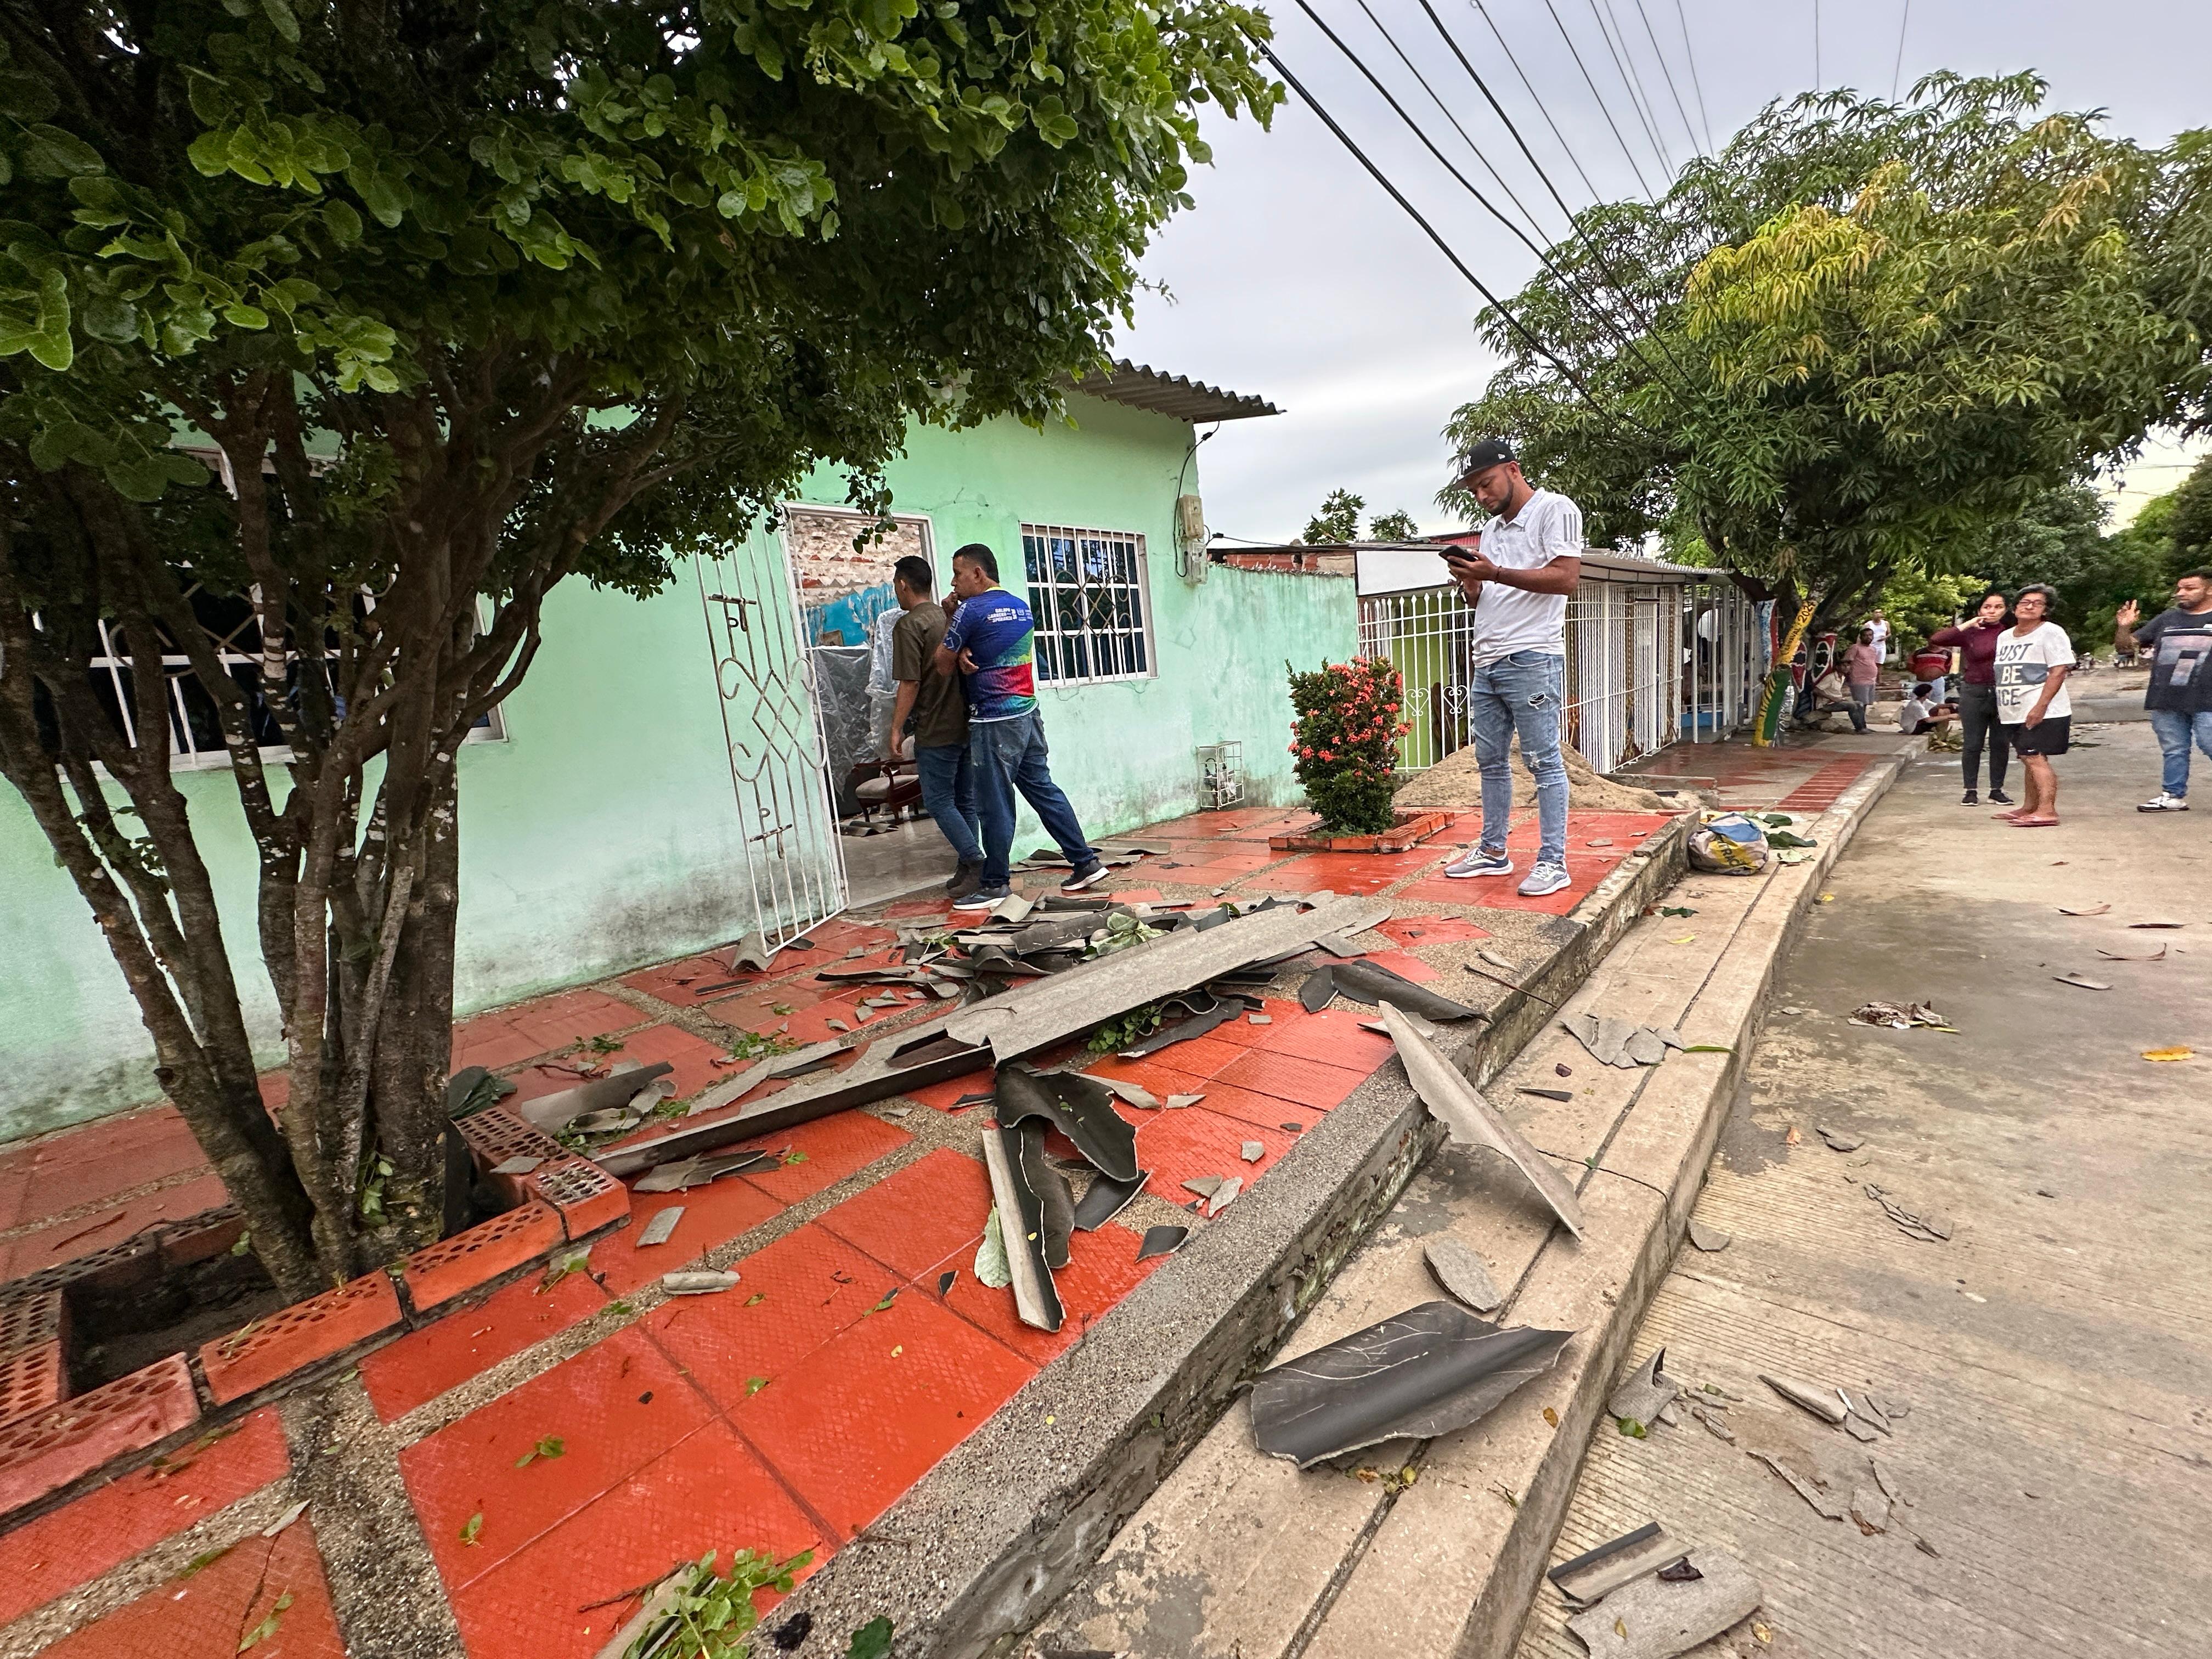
(989, 643)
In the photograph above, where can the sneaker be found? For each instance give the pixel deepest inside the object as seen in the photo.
(1972, 798)
(1545, 878)
(2165, 803)
(1998, 797)
(1478, 862)
(983, 897)
(1083, 876)
(965, 880)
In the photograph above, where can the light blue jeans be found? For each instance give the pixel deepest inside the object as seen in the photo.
(1522, 694)
(2175, 729)
(1010, 757)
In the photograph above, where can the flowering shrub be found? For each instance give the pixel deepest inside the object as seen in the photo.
(1345, 738)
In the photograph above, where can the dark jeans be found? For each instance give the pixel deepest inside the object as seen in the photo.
(1010, 756)
(948, 794)
(1977, 724)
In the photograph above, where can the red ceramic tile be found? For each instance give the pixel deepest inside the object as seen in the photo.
(764, 1009)
(1136, 895)
(1302, 1082)
(552, 1077)
(42, 1454)
(912, 1220)
(693, 979)
(207, 1614)
(810, 1023)
(1410, 930)
(66, 1241)
(1245, 1034)
(292, 1338)
(77, 1543)
(943, 1096)
(1335, 1037)
(823, 1153)
(615, 1407)
(1346, 872)
(872, 1411)
(1101, 1268)
(1202, 1056)
(93, 1162)
(489, 1040)
(713, 1214)
(913, 909)
(466, 1342)
(1158, 1075)
(1405, 966)
(1262, 1111)
(475, 1257)
(810, 1284)
(709, 1491)
(1177, 1147)
(569, 1018)
(693, 1057)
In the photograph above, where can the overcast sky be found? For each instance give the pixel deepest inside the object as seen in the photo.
(1297, 278)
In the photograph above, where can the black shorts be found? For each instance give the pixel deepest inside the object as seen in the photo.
(2048, 736)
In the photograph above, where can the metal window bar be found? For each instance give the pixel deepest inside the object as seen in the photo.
(1090, 595)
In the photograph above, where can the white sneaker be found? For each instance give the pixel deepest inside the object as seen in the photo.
(1545, 878)
(2165, 803)
(1480, 863)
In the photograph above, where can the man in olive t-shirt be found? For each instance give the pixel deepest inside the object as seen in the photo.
(940, 721)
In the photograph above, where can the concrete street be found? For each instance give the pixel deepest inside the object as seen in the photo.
(2056, 1353)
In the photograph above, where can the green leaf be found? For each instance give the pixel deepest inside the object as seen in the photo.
(754, 1385)
(280, 14)
(472, 1529)
(267, 1628)
(871, 1641)
(246, 316)
(1630, 1427)
(50, 153)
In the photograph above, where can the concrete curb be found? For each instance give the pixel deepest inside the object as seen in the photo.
(977, 1551)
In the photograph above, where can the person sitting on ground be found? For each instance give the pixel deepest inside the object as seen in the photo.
(2179, 695)
(1863, 673)
(2034, 658)
(1920, 711)
(1976, 642)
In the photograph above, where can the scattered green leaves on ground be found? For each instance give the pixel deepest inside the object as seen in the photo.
(472, 1529)
(754, 1385)
(1776, 820)
(561, 1266)
(993, 1270)
(551, 1446)
(751, 1045)
(1130, 1029)
(794, 1157)
(267, 1628)
(871, 1641)
(890, 1297)
(1123, 929)
(1630, 1427)
(710, 1614)
(1676, 910)
(1784, 838)
(756, 1299)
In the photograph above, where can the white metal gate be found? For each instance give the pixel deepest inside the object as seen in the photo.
(771, 720)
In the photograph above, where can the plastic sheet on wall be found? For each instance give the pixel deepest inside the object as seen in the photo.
(841, 680)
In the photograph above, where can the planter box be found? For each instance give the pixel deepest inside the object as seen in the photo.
(1410, 830)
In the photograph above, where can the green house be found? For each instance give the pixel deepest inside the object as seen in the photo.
(663, 781)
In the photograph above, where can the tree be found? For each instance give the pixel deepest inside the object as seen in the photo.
(1396, 526)
(1338, 520)
(2186, 520)
(461, 302)
(1861, 334)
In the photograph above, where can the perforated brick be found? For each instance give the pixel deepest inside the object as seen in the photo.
(587, 1197)
(456, 1266)
(31, 1381)
(42, 1454)
(31, 1315)
(494, 1135)
(292, 1338)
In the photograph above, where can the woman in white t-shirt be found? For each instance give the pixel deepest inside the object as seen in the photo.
(2034, 658)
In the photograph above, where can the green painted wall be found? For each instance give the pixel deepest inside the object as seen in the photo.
(602, 834)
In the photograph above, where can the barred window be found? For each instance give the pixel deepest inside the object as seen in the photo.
(1088, 593)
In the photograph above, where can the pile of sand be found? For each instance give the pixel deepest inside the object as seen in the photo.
(1456, 780)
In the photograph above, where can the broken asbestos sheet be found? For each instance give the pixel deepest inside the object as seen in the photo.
(1080, 1107)
(1430, 1370)
(1473, 1122)
(1022, 1225)
(1596, 1573)
(1371, 982)
(1657, 1617)
(1622, 1042)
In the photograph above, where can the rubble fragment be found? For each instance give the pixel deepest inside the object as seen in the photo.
(1589, 1576)
(1712, 1240)
(1654, 1618)
(698, 1284)
(1461, 1271)
(1161, 1241)
(1811, 1397)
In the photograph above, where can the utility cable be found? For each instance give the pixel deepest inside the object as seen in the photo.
(1698, 86)
(1673, 91)
(1603, 108)
(1573, 290)
(1816, 45)
(1528, 85)
(1632, 78)
(1514, 323)
(1897, 68)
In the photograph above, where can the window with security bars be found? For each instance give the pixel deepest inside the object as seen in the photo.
(1088, 593)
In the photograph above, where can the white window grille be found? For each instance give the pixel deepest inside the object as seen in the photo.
(1089, 594)
(195, 724)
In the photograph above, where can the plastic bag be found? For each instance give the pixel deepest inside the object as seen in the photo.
(1728, 844)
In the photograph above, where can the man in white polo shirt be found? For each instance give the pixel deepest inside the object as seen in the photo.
(1517, 583)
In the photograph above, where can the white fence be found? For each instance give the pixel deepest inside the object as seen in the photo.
(1649, 664)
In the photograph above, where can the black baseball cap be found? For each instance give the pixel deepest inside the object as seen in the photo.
(1490, 452)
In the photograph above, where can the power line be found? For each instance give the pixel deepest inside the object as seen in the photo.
(1445, 248)
(1565, 148)
(1602, 108)
(1897, 68)
(1631, 78)
(1672, 91)
(1691, 52)
(1816, 45)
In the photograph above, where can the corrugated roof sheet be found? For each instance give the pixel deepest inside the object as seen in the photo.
(1140, 386)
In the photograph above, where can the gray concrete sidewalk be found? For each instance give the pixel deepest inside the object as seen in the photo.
(2057, 1352)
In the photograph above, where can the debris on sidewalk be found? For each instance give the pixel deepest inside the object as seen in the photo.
(1106, 1198)
(1594, 1574)
(1161, 1241)
(1655, 1617)
(1901, 1017)
(2085, 910)
(1822, 1502)
(2075, 976)
(1549, 1094)
(657, 1230)
(1839, 1141)
(1622, 1042)
(1219, 1200)
(1644, 1393)
(1021, 1214)
(1473, 1122)
(699, 1283)
(2158, 955)
(1823, 1402)
(2165, 1055)
(615, 1091)
(1932, 1228)
(1423, 1373)
(1712, 1240)
(1461, 1271)
(1372, 983)
(991, 1265)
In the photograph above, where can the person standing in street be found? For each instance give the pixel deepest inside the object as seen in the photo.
(1862, 674)
(2179, 695)
(1976, 642)
(2034, 658)
(1878, 625)
(939, 712)
(988, 643)
(1518, 582)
